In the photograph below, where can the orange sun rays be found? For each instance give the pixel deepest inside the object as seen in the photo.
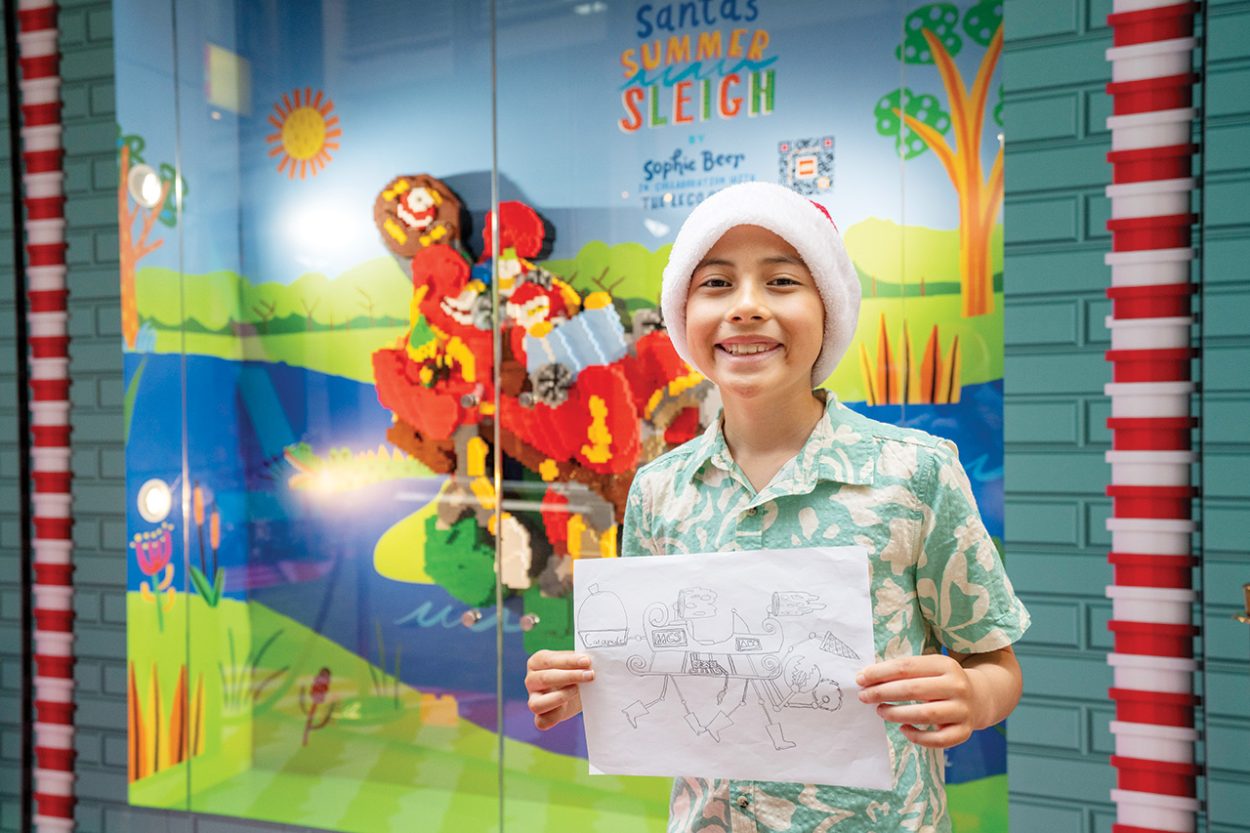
(306, 132)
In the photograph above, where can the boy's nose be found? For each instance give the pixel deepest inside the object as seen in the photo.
(747, 305)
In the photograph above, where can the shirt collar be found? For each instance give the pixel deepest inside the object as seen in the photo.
(841, 449)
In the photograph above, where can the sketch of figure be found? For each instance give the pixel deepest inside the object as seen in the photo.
(685, 643)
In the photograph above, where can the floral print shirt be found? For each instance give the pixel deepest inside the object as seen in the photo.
(935, 579)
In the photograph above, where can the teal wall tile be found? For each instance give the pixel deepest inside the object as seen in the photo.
(1226, 475)
(1226, 90)
(1049, 323)
(1078, 61)
(1096, 13)
(1052, 373)
(1225, 201)
(1055, 572)
(1051, 272)
(1087, 778)
(1039, 522)
(1097, 412)
(1097, 109)
(1051, 220)
(1031, 20)
(1081, 675)
(1228, 746)
(1054, 169)
(1225, 310)
(1097, 211)
(1096, 313)
(1034, 472)
(1228, 796)
(1225, 148)
(1224, 638)
(1055, 625)
(1039, 422)
(1229, 34)
(1098, 729)
(1052, 727)
(1223, 576)
(1226, 691)
(1097, 636)
(1026, 816)
(1044, 117)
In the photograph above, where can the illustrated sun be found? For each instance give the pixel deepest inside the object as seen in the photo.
(306, 132)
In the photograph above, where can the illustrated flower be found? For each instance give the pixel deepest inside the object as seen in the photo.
(153, 549)
(152, 552)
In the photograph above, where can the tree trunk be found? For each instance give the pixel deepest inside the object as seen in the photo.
(976, 278)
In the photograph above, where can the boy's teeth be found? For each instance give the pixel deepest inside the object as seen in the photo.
(746, 349)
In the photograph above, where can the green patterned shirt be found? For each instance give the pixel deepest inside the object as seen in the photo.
(935, 577)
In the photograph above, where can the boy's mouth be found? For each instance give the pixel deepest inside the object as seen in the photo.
(747, 348)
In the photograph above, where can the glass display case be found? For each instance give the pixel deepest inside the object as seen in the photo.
(392, 355)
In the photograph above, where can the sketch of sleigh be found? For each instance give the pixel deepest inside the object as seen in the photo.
(800, 678)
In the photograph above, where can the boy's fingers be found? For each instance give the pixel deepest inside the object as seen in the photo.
(537, 681)
(930, 665)
(898, 691)
(943, 737)
(550, 701)
(546, 721)
(545, 659)
(941, 713)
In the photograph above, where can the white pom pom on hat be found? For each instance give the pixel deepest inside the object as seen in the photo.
(803, 224)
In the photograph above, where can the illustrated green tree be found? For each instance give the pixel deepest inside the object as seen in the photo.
(917, 122)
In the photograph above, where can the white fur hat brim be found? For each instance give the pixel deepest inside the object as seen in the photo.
(795, 219)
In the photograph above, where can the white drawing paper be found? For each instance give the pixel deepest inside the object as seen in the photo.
(737, 665)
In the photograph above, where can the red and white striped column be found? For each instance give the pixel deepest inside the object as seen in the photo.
(1152, 452)
(47, 318)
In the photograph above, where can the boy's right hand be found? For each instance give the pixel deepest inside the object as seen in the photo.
(552, 679)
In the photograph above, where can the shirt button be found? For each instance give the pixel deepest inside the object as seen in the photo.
(752, 511)
(744, 801)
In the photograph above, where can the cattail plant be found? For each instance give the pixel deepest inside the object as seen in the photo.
(209, 583)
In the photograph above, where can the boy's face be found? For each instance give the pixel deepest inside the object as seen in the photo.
(754, 319)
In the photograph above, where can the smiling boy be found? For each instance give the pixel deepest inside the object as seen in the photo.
(761, 297)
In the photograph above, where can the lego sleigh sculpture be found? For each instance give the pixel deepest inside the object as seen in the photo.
(583, 400)
(752, 664)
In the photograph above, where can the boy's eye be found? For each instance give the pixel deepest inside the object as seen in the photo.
(714, 283)
(785, 280)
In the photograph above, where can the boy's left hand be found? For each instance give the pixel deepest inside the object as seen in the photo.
(943, 687)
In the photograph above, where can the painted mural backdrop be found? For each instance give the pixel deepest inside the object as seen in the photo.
(306, 277)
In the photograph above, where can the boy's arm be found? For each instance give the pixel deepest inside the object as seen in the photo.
(997, 682)
(955, 694)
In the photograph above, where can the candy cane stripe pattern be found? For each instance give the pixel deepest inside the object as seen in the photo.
(1152, 449)
(48, 352)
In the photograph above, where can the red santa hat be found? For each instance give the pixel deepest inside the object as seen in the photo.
(803, 224)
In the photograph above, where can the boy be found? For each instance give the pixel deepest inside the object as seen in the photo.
(760, 296)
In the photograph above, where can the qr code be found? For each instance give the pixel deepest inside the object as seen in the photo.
(806, 165)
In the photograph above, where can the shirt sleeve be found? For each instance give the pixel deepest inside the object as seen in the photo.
(961, 584)
(635, 530)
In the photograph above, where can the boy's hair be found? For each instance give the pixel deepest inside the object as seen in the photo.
(803, 224)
